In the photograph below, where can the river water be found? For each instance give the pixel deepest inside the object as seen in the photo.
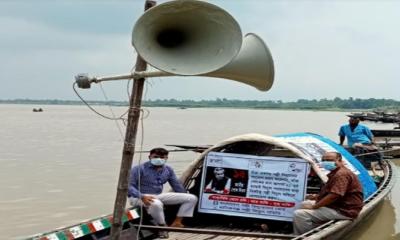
(60, 167)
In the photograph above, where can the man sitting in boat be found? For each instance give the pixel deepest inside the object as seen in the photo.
(146, 186)
(355, 133)
(219, 183)
(340, 198)
(360, 140)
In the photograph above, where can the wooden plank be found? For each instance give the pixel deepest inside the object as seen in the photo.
(179, 235)
(221, 237)
(201, 236)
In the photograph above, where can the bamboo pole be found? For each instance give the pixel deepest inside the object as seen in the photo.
(129, 144)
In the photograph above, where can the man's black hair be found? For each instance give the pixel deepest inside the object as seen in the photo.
(159, 151)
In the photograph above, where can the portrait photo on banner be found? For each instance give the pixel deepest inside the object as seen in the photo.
(227, 181)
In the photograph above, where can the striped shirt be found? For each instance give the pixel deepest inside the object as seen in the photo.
(152, 180)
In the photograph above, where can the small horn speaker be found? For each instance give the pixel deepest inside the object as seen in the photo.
(253, 65)
(187, 37)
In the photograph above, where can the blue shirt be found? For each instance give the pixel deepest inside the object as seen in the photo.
(360, 134)
(152, 180)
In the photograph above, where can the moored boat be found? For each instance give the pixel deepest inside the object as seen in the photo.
(377, 117)
(388, 140)
(252, 161)
(386, 133)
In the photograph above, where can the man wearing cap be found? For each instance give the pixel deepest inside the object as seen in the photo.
(146, 186)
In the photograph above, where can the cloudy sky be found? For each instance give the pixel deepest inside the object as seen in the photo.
(321, 49)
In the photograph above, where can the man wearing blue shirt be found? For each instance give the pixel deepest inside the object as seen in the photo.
(146, 186)
(355, 133)
(361, 142)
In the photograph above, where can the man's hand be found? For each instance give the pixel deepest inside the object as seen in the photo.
(311, 196)
(147, 200)
(307, 205)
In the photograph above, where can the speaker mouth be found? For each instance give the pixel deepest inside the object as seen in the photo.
(171, 38)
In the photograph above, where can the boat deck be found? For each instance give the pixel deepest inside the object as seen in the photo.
(194, 236)
(216, 233)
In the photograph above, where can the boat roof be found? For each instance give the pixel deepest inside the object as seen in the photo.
(307, 146)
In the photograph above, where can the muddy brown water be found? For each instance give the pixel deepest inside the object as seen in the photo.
(60, 166)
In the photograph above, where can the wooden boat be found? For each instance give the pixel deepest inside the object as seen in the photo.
(377, 117)
(305, 148)
(374, 117)
(263, 215)
(388, 141)
(386, 133)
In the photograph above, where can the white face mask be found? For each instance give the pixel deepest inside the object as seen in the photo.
(157, 161)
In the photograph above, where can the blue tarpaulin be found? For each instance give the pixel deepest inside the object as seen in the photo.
(315, 145)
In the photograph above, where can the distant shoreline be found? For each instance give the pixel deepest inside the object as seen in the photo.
(336, 104)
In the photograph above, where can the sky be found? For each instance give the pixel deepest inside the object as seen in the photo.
(321, 49)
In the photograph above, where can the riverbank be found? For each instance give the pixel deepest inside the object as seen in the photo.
(336, 104)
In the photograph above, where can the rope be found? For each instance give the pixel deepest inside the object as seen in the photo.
(371, 153)
(129, 82)
(112, 112)
(140, 160)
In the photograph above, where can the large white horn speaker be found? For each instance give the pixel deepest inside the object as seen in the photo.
(253, 65)
(187, 37)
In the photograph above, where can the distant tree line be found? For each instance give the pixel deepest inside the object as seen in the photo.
(321, 104)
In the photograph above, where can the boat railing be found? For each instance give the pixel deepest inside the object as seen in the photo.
(86, 227)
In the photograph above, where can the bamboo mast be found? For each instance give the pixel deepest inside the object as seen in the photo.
(129, 144)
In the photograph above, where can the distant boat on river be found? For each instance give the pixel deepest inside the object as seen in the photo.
(37, 110)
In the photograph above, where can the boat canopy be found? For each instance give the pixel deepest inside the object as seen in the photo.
(307, 146)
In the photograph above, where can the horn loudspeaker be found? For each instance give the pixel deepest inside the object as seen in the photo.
(253, 65)
(187, 37)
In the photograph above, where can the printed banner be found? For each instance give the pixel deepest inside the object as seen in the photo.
(252, 186)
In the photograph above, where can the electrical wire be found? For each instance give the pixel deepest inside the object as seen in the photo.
(94, 110)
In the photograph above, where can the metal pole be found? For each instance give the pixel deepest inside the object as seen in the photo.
(129, 145)
(141, 74)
